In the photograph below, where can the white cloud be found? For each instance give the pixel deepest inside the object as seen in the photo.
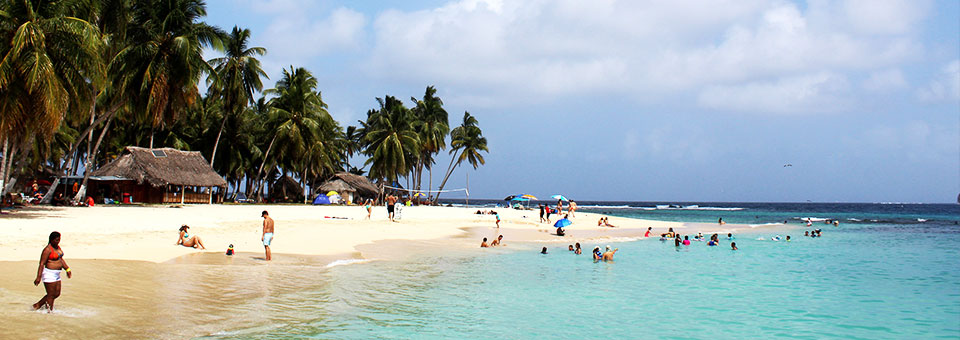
(944, 86)
(541, 49)
(820, 92)
(298, 36)
(885, 81)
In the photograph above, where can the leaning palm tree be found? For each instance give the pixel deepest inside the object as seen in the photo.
(466, 143)
(50, 67)
(238, 77)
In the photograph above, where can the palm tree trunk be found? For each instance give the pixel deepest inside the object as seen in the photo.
(91, 158)
(151, 136)
(430, 188)
(450, 169)
(217, 143)
(7, 165)
(266, 156)
(3, 166)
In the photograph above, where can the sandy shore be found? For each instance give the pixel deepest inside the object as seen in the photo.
(150, 233)
(131, 279)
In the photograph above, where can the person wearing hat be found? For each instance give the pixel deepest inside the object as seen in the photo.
(189, 241)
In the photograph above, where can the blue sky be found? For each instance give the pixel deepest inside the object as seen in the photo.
(652, 100)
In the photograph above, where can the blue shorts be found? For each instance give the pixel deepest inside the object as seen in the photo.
(267, 237)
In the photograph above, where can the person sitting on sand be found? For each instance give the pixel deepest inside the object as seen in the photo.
(608, 255)
(484, 243)
(189, 241)
(577, 250)
(560, 231)
(600, 222)
(497, 241)
(733, 245)
(606, 223)
(597, 255)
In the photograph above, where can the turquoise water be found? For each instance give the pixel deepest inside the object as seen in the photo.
(860, 281)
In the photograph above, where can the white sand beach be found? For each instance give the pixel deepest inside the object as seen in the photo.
(150, 233)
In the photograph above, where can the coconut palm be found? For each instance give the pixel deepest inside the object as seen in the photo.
(50, 67)
(390, 140)
(238, 77)
(466, 143)
(433, 127)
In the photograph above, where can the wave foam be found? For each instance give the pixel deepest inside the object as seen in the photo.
(345, 262)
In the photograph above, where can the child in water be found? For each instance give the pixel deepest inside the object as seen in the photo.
(733, 245)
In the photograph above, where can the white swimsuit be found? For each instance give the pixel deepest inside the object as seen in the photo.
(50, 275)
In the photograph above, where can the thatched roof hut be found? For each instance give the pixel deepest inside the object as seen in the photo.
(347, 182)
(162, 167)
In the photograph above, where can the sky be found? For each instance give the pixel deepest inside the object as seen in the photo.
(703, 101)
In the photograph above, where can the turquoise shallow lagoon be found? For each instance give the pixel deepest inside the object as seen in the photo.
(859, 281)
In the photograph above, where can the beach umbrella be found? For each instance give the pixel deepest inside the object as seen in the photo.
(521, 199)
(509, 197)
(331, 193)
(559, 197)
(529, 197)
(563, 222)
(321, 199)
(419, 194)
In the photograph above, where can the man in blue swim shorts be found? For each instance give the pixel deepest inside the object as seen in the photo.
(267, 233)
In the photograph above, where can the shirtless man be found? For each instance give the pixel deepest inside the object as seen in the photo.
(391, 200)
(496, 241)
(484, 243)
(267, 233)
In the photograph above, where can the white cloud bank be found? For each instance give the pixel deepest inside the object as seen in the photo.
(945, 86)
(645, 49)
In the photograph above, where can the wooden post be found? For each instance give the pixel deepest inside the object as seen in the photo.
(211, 195)
(183, 193)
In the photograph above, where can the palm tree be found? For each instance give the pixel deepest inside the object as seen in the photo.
(156, 72)
(50, 67)
(466, 143)
(297, 114)
(238, 76)
(433, 127)
(390, 140)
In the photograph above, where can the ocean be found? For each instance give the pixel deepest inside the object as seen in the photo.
(889, 271)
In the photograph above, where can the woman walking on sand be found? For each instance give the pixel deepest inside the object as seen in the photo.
(369, 206)
(51, 262)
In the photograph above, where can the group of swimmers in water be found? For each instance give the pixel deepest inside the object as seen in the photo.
(678, 241)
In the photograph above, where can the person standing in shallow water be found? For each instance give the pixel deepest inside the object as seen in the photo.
(267, 234)
(51, 262)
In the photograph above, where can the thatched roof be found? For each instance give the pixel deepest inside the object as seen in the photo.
(163, 166)
(343, 181)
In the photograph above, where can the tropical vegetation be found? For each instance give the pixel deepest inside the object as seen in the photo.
(80, 80)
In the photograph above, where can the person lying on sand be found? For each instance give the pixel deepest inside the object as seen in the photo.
(189, 241)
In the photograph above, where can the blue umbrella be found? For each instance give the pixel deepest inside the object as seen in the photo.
(559, 197)
(563, 222)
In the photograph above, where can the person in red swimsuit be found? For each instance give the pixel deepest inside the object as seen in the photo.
(51, 263)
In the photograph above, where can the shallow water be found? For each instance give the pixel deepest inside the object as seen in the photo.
(859, 281)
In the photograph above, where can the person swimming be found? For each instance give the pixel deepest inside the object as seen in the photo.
(729, 236)
(570, 247)
(597, 255)
(543, 251)
(733, 245)
(712, 243)
(577, 251)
